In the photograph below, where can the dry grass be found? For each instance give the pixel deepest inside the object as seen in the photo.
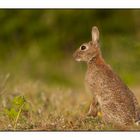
(50, 108)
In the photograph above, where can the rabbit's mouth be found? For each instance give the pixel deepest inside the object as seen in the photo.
(78, 59)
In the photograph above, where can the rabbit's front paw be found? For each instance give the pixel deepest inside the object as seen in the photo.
(93, 111)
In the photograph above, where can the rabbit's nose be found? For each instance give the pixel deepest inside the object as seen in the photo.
(75, 56)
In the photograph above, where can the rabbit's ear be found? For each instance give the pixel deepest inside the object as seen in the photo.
(95, 34)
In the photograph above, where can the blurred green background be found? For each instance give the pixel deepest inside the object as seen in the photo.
(38, 44)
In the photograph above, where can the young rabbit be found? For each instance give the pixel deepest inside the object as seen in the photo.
(112, 97)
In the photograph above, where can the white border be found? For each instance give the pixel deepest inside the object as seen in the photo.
(70, 136)
(69, 3)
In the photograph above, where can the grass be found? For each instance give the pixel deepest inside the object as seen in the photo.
(33, 105)
(49, 108)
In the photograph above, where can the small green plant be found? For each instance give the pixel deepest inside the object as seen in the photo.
(18, 106)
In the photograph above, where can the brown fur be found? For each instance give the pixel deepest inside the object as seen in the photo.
(117, 103)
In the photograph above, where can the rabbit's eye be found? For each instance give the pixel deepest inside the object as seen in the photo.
(83, 47)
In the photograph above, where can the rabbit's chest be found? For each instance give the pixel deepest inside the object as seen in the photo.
(93, 82)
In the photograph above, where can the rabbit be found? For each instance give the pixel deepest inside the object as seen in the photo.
(117, 103)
